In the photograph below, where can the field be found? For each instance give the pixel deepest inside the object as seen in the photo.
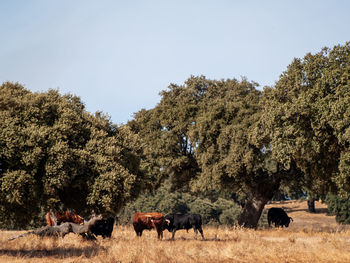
(310, 238)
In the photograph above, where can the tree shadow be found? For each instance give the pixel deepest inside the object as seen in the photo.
(318, 210)
(87, 252)
(211, 239)
(321, 210)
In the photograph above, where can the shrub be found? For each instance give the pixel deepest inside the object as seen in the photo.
(214, 212)
(162, 202)
(228, 211)
(206, 209)
(229, 216)
(340, 207)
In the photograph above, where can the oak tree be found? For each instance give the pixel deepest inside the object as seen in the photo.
(54, 154)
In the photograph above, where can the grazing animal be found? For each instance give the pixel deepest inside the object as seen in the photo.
(142, 221)
(56, 218)
(103, 227)
(175, 222)
(278, 216)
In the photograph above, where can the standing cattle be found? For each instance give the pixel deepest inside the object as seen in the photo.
(103, 227)
(56, 218)
(183, 221)
(142, 221)
(278, 216)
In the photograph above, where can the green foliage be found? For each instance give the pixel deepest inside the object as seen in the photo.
(199, 132)
(218, 211)
(340, 207)
(332, 202)
(307, 118)
(54, 154)
(161, 200)
(206, 209)
(229, 212)
(229, 217)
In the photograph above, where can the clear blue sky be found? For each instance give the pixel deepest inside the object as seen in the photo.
(118, 55)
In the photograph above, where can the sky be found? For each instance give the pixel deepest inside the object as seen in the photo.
(118, 55)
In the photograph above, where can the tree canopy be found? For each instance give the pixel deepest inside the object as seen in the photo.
(54, 154)
(307, 118)
(201, 135)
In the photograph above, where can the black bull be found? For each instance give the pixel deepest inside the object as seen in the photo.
(175, 222)
(278, 216)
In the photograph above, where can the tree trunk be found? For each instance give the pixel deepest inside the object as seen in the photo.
(252, 212)
(261, 191)
(311, 205)
(48, 231)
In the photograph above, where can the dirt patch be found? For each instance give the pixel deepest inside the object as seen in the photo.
(303, 220)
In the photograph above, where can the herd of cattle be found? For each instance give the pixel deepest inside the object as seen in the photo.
(155, 220)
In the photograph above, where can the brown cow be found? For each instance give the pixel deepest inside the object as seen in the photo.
(142, 221)
(56, 218)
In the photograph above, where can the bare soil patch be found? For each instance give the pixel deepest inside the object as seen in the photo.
(303, 220)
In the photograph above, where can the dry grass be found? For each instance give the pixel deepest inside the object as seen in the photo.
(311, 238)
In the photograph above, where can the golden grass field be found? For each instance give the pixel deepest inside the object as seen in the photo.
(310, 238)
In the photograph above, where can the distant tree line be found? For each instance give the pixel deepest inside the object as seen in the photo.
(203, 136)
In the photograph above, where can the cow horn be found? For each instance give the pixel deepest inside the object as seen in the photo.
(291, 219)
(167, 220)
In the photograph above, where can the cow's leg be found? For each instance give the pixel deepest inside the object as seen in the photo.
(160, 234)
(200, 231)
(195, 231)
(138, 233)
(173, 234)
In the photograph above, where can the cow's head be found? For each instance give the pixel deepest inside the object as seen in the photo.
(168, 222)
(288, 221)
